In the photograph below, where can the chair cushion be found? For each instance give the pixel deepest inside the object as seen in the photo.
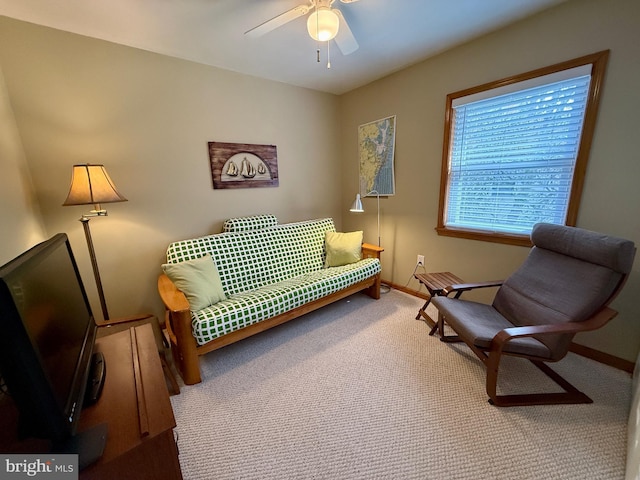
(611, 252)
(553, 288)
(568, 275)
(477, 324)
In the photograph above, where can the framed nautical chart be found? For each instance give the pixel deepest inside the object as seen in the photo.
(243, 165)
(376, 149)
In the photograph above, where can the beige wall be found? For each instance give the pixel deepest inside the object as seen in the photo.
(21, 225)
(611, 198)
(148, 118)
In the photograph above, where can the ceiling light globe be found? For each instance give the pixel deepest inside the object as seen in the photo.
(323, 24)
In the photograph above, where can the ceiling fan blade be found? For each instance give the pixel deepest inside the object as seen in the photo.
(278, 21)
(348, 1)
(345, 40)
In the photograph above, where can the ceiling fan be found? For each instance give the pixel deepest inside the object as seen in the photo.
(324, 24)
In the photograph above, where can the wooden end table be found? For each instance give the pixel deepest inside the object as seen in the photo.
(435, 284)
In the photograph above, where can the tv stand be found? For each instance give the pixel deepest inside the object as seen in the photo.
(135, 406)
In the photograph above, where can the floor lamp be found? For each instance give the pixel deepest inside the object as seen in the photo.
(358, 208)
(91, 185)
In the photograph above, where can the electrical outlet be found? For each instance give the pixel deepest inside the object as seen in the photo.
(420, 260)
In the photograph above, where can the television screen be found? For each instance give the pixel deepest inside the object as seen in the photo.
(47, 333)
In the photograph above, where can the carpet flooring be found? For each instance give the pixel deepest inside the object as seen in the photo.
(359, 390)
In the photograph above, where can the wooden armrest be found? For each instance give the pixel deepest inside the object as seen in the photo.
(172, 298)
(179, 330)
(463, 287)
(600, 318)
(371, 251)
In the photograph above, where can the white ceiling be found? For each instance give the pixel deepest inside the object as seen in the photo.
(392, 34)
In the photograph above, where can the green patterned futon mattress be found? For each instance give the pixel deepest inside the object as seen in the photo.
(267, 272)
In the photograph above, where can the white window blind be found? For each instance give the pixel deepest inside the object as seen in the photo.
(512, 155)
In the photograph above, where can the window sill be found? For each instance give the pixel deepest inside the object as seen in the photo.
(483, 236)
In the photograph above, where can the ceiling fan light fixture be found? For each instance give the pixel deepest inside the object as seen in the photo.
(323, 24)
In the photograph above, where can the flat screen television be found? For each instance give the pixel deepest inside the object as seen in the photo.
(47, 335)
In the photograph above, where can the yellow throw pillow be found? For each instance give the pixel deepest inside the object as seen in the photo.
(342, 248)
(198, 279)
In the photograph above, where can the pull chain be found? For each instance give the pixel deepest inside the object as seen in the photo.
(317, 30)
(328, 56)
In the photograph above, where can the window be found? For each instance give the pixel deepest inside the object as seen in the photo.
(516, 151)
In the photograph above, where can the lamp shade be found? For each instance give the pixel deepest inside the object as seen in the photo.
(357, 205)
(90, 184)
(323, 24)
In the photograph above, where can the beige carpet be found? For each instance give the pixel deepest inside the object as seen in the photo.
(358, 390)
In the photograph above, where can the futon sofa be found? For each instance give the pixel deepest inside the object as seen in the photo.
(257, 274)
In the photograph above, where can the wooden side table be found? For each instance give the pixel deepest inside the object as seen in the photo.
(435, 284)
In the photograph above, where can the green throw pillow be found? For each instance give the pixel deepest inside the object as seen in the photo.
(198, 279)
(342, 248)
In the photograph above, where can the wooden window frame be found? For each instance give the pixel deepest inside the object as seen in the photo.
(598, 61)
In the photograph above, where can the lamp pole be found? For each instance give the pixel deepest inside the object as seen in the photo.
(94, 263)
(378, 202)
